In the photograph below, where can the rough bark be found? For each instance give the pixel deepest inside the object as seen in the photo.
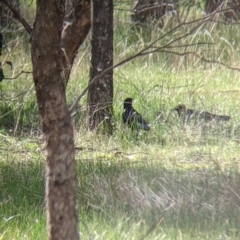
(76, 26)
(145, 11)
(56, 121)
(148, 11)
(77, 23)
(231, 14)
(6, 16)
(100, 94)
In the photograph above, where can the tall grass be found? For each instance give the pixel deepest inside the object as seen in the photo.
(170, 193)
(176, 182)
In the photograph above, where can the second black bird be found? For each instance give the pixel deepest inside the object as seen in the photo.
(188, 113)
(132, 118)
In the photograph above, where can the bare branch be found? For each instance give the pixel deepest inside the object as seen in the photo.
(17, 15)
(14, 97)
(141, 53)
(186, 45)
(204, 59)
(17, 75)
(197, 55)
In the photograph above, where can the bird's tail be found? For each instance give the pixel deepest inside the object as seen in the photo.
(223, 118)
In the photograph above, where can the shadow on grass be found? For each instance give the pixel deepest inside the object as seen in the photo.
(22, 184)
(193, 200)
(146, 196)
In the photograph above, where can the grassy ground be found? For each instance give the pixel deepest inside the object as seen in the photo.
(127, 191)
(176, 182)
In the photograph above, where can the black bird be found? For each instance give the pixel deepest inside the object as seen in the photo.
(1, 72)
(132, 118)
(187, 114)
(1, 44)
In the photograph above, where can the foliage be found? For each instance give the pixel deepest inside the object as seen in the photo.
(177, 182)
(126, 190)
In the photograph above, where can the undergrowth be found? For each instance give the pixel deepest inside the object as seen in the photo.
(177, 181)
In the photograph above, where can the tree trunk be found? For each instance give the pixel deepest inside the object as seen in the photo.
(6, 16)
(100, 94)
(146, 11)
(56, 121)
(77, 23)
(232, 14)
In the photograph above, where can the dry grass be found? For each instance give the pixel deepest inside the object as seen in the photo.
(177, 182)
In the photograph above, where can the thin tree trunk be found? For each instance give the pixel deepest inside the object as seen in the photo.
(7, 18)
(76, 26)
(56, 121)
(100, 94)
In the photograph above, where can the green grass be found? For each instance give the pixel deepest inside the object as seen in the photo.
(178, 192)
(176, 182)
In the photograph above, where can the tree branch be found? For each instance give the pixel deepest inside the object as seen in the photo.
(17, 15)
(144, 51)
(17, 75)
(202, 58)
(140, 53)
